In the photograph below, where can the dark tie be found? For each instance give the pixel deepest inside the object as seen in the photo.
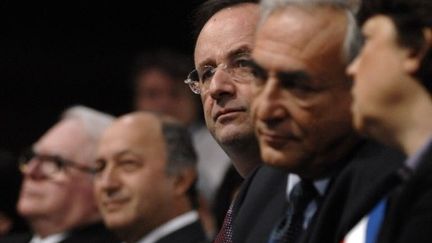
(225, 233)
(290, 228)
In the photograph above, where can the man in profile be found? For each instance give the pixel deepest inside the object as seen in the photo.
(57, 191)
(302, 119)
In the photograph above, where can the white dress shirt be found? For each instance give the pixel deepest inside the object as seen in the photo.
(170, 226)
(49, 239)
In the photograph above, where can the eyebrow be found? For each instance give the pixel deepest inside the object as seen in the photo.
(241, 50)
(298, 76)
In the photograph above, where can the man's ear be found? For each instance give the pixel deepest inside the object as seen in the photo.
(184, 180)
(415, 56)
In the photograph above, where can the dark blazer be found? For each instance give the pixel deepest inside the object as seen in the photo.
(410, 215)
(95, 233)
(368, 175)
(192, 233)
(258, 205)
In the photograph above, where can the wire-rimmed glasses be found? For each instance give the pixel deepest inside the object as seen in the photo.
(240, 68)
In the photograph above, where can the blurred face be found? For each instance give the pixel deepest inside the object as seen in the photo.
(133, 191)
(66, 196)
(158, 92)
(380, 77)
(225, 43)
(301, 106)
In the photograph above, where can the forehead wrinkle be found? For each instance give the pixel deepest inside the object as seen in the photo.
(319, 30)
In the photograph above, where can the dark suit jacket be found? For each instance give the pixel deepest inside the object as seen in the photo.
(192, 233)
(368, 175)
(410, 216)
(258, 205)
(95, 233)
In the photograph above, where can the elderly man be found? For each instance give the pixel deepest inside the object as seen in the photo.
(145, 185)
(302, 119)
(226, 32)
(57, 191)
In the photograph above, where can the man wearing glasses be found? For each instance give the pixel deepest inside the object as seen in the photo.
(223, 79)
(56, 196)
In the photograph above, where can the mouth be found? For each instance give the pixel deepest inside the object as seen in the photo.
(227, 113)
(113, 205)
(275, 139)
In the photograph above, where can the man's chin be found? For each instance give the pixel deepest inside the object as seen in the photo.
(232, 134)
(278, 159)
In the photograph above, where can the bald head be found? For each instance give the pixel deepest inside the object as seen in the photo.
(135, 189)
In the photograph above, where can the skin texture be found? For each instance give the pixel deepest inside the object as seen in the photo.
(133, 191)
(389, 103)
(226, 103)
(56, 203)
(302, 101)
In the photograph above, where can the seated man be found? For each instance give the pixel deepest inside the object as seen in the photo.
(57, 192)
(145, 185)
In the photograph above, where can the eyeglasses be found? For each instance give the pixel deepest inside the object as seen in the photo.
(49, 164)
(240, 69)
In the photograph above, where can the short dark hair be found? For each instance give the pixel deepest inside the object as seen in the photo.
(181, 153)
(175, 64)
(206, 10)
(410, 18)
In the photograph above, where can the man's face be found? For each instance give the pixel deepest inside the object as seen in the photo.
(158, 92)
(133, 192)
(302, 99)
(380, 76)
(67, 195)
(227, 39)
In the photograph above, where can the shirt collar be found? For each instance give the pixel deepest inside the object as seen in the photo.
(55, 238)
(170, 226)
(320, 185)
(413, 161)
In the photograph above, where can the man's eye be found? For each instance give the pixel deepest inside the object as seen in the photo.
(129, 165)
(57, 162)
(207, 74)
(100, 166)
(243, 63)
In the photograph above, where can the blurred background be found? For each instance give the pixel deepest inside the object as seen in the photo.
(57, 54)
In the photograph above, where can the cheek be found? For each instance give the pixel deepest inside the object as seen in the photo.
(330, 119)
(207, 103)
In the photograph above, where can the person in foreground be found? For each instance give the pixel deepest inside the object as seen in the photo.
(393, 103)
(145, 184)
(301, 111)
(56, 197)
(224, 44)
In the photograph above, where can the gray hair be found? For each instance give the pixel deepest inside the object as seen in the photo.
(180, 150)
(353, 40)
(95, 122)
(181, 154)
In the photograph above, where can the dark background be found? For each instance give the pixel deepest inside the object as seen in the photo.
(57, 54)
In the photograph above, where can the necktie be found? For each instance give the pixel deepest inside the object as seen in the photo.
(225, 233)
(290, 228)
